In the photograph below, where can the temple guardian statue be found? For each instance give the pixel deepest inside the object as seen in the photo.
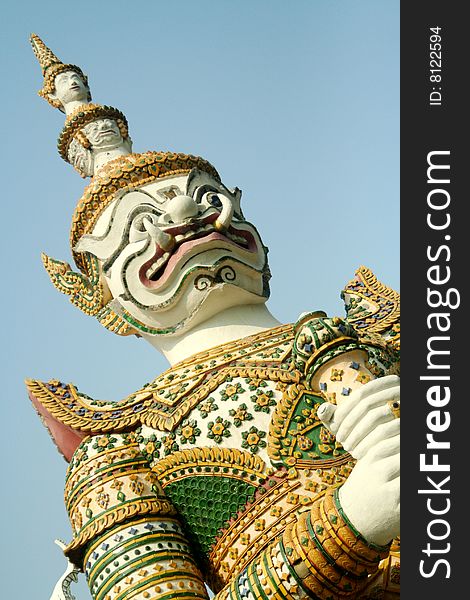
(264, 462)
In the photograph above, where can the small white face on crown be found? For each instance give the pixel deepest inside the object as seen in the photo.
(177, 251)
(70, 87)
(103, 134)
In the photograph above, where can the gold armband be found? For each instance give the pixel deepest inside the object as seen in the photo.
(329, 557)
(346, 536)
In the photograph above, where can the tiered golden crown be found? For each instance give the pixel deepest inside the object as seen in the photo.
(124, 173)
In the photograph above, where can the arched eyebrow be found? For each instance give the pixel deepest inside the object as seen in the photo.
(120, 211)
(143, 208)
(203, 189)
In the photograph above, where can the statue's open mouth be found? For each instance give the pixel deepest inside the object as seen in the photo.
(189, 241)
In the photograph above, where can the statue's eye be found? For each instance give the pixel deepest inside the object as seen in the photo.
(214, 200)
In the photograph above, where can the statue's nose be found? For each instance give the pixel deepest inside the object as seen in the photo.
(180, 208)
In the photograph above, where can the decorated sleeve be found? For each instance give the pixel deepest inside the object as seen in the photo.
(127, 537)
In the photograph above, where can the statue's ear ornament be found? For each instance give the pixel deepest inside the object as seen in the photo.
(86, 291)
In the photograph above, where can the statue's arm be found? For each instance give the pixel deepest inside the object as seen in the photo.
(321, 556)
(324, 554)
(127, 537)
(355, 374)
(335, 548)
(368, 427)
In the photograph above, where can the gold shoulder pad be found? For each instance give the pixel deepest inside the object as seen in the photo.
(66, 405)
(373, 308)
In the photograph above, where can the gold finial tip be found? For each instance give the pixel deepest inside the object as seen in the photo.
(36, 42)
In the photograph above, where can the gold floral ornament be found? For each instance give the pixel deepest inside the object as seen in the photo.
(86, 291)
(51, 66)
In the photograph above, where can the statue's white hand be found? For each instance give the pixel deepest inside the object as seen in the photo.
(61, 590)
(368, 426)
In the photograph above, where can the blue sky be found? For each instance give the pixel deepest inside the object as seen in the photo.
(296, 103)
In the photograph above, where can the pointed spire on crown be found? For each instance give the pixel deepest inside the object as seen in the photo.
(45, 56)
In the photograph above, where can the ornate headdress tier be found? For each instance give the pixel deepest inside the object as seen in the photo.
(74, 145)
(84, 115)
(51, 67)
(93, 134)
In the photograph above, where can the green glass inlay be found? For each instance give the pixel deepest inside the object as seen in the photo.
(207, 503)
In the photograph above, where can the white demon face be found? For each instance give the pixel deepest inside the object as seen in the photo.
(103, 134)
(177, 251)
